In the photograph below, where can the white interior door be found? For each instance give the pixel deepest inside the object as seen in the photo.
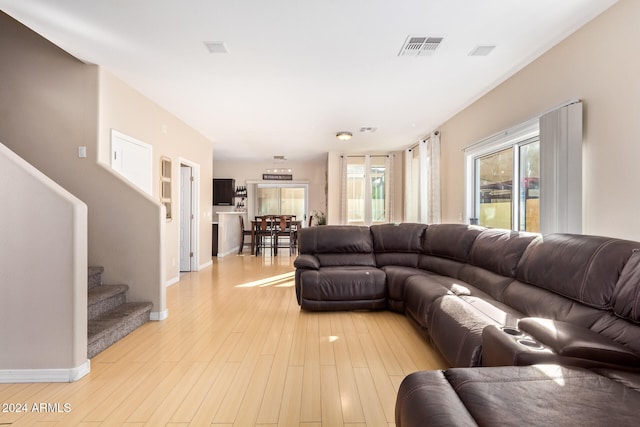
(132, 159)
(186, 218)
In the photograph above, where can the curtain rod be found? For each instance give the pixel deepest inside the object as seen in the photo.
(342, 156)
(519, 126)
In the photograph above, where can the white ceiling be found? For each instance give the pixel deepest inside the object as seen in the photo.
(299, 71)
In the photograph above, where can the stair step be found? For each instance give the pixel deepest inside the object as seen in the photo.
(109, 327)
(95, 276)
(103, 298)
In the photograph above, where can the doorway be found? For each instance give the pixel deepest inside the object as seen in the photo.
(189, 184)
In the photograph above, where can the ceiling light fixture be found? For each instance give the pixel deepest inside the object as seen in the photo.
(216, 47)
(482, 50)
(279, 160)
(344, 136)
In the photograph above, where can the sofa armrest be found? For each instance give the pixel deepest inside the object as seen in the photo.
(570, 340)
(307, 262)
(508, 346)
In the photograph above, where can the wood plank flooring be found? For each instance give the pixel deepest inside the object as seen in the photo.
(236, 350)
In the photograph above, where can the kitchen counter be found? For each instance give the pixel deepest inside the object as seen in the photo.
(229, 236)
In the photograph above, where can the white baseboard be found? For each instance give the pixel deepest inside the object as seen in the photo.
(205, 265)
(172, 281)
(12, 376)
(159, 315)
(229, 252)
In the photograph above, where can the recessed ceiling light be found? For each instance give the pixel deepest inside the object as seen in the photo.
(216, 47)
(482, 50)
(344, 136)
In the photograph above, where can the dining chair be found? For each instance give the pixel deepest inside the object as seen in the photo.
(264, 233)
(285, 233)
(243, 232)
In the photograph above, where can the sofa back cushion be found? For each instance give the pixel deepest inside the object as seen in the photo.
(336, 245)
(452, 241)
(533, 301)
(626, 295)
(397, 244)
(500, 251)
(583, 268)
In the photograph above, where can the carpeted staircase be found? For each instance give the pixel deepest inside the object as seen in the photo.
(110, 317)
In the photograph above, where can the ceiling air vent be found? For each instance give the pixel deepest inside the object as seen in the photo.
(482, 50)
(420, 46)
(216, 47)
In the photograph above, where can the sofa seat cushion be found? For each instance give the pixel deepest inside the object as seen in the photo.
(626, 378)
(396, 279)
(421, 290)
(354, 287)
(539, 395)
(456, 323)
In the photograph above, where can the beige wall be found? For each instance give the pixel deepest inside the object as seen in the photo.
(313, 171)
(47, 109)
(598, 64)
(126, 110)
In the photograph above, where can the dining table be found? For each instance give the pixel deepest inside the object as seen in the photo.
(272, 222)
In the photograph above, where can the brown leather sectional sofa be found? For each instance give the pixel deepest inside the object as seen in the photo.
(497, 301)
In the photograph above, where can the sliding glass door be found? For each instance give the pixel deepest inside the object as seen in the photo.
(282, 199)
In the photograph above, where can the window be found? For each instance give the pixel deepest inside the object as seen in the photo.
(529, 178)
(507, 187)
(366, 196)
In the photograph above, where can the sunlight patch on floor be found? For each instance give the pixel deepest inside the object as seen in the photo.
(285, 280)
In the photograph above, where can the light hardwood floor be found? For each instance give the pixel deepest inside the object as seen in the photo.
(237, 351)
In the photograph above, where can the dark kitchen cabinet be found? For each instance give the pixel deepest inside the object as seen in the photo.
(224, 190)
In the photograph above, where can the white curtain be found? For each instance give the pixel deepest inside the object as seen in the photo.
(561, 170)
(429, 160)
(343, 189)
(389, 196)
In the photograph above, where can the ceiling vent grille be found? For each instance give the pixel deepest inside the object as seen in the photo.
(482, 50)
(420, 46)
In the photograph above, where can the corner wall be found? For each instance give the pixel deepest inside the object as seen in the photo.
(43, 259)
(597, 64)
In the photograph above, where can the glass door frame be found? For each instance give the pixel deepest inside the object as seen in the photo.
(282, 184)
